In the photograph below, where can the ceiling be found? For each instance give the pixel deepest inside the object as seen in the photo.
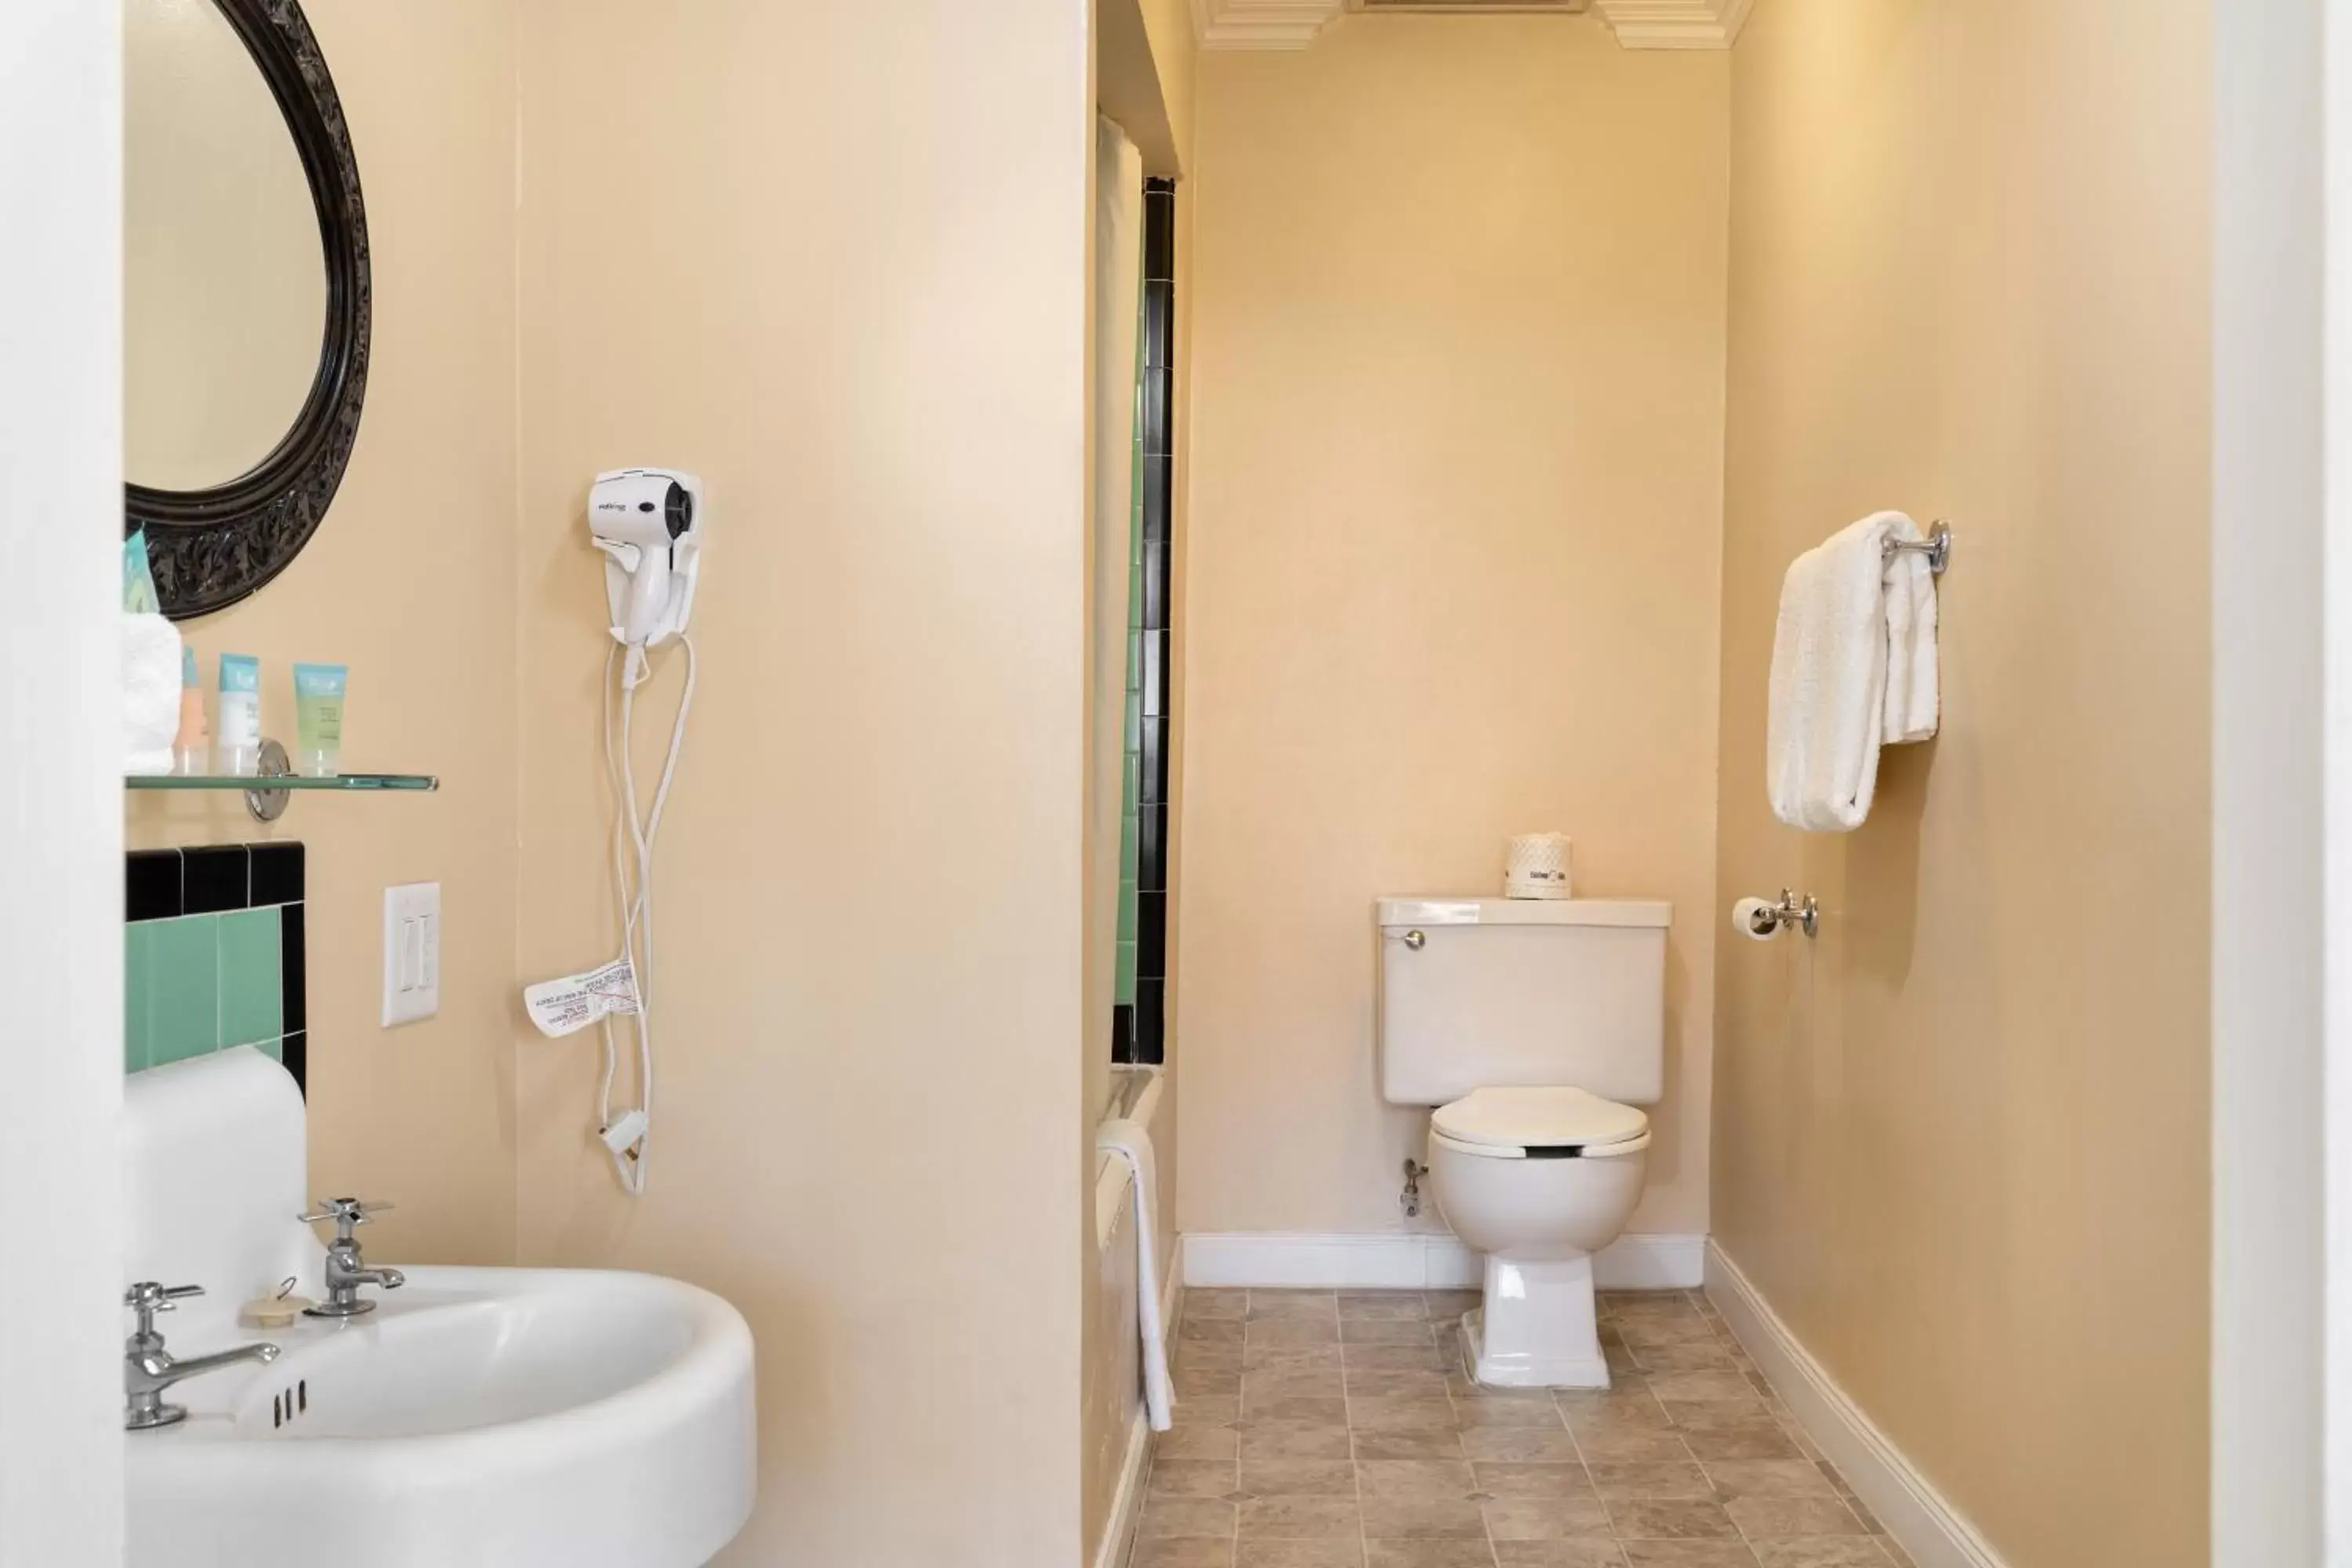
(1637, 23)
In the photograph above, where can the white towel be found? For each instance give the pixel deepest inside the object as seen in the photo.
(1125, 1140)
(151, 693)
(1853, 669)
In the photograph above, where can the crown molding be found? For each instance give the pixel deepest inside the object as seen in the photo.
(1261, 24)
(1674, 23)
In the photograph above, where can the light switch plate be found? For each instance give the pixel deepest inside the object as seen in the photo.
(412, 952)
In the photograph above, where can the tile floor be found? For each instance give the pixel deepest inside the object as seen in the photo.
(1316, 1429)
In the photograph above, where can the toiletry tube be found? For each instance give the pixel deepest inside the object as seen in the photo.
(318, 719)
(192, 748)
(240, 714)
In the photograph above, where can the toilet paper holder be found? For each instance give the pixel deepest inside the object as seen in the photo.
(1765, 920)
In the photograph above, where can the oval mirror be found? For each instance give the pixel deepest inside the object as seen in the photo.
(245, 292)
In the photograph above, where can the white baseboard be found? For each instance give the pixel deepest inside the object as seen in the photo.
(1412, 1260)
(1127, 1503)
(1913, 1512)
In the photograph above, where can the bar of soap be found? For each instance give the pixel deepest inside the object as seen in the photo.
(272, 1311)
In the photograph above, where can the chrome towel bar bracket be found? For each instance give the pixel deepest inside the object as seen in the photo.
(1936, 547)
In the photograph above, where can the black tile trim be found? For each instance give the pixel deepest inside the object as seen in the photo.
(150, 884)
(293, 975)
(294, 1055)
(277, 874)
(1122, 1032)
(215, 878)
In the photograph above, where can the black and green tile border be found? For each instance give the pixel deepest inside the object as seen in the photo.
(213, 954)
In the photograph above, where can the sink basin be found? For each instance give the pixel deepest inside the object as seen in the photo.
(478, 1417)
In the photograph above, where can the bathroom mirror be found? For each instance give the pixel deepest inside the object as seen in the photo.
(245, 292)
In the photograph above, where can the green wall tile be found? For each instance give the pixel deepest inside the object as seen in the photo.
(1125, 989)
(273, 1050)
(138, 979)
(183, 988)
(252, 1002)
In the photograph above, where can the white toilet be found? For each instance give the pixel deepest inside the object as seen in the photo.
(1535, 1028)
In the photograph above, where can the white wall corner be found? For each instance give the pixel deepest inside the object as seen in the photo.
(1675, 23)
(1261, 24)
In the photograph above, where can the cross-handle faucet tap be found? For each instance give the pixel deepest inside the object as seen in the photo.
(345, 1274)
(148, 1369)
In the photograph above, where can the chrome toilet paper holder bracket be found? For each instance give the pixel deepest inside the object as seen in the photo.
(1805, 916)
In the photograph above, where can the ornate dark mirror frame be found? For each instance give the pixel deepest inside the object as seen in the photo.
(212, 547)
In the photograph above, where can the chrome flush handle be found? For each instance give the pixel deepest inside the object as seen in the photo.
(1416, 939)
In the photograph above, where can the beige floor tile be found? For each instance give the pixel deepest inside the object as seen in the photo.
(1370, 1306)
(1558, 1554)
(1743, 1443)
(1689, 1554)
(1428, 1555)
(1342, 1553)
(1713, 1382)
(1196, 1443)
(1260, 1356)
(1183, 1551)
(1299, 1518)
(1821, 1552)
(1225, 1354)
(1186, 1515)
(1450, 1305)
(1633, 1409)
(1700, 1355)
(1516, 1480)
(1768, 1477)
(1213, 1303)
(1418, 1355)
(1677, 1518)
(1412, 1443)
(1376, 1415)
(1719, 1414)
(1546, 1518)
(1271, 1382)
(1414, 1477)
(1672, 1329)
(1298, 1478)
(1763, 1518)
(1205, 1409)
(1487, 1410)
(1294, 1330)
(1521, 1445)
(1386, 1382)
(1212, 1382)
(1293, 1440)
(1315, 1304)
(1422, 1518)
(1413, 1330)
(1192, 1478)
(1617, 1446)
(1894, 1552)
(1301, 1409)
(1650, 1480)
(1208, 1330)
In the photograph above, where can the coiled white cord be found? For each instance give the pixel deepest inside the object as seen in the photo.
(632, 831)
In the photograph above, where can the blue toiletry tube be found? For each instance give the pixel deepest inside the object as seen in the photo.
(239, 736)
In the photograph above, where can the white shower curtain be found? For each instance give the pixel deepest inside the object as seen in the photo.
(1117, 302)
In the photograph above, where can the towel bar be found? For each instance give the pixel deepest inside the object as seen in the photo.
(1937, 548)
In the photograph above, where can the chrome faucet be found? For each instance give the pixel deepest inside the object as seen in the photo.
(344, 1273)
(148, 1369)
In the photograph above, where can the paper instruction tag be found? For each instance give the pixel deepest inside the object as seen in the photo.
(561, 1007)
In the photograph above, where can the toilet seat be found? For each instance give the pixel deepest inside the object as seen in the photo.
(1552, 1122)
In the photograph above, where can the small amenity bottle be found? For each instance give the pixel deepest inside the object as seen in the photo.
(318, 719)
(192, 748)
(240, 715)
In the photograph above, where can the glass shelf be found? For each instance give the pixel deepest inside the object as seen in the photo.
(281, 782)
(268, 793)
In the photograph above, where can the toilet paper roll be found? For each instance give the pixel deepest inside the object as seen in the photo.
(1537, 867)
(1744, 920)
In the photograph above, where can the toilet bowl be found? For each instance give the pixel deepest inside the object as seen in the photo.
(1537, 1180)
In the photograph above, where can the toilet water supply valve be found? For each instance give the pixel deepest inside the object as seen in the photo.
(1410, 1199)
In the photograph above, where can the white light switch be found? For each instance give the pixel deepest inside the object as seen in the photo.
(412, 952)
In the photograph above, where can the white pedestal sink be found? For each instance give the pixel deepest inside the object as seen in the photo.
(499, 1417)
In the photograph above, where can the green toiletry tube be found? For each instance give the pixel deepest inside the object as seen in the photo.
(318, 719)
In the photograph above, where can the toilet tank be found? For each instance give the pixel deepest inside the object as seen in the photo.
(1522, 993)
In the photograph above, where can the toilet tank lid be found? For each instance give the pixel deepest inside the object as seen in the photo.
(1428, 912)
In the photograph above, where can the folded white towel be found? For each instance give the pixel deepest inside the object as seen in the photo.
(1128, 1141)
(151, 693)
(1854, 668)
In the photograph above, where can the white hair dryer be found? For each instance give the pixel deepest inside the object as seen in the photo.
(648, 523)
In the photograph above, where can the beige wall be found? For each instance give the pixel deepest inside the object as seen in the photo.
(833, 258)
(1454, 525)
(1962, 1141)
(411, 582)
